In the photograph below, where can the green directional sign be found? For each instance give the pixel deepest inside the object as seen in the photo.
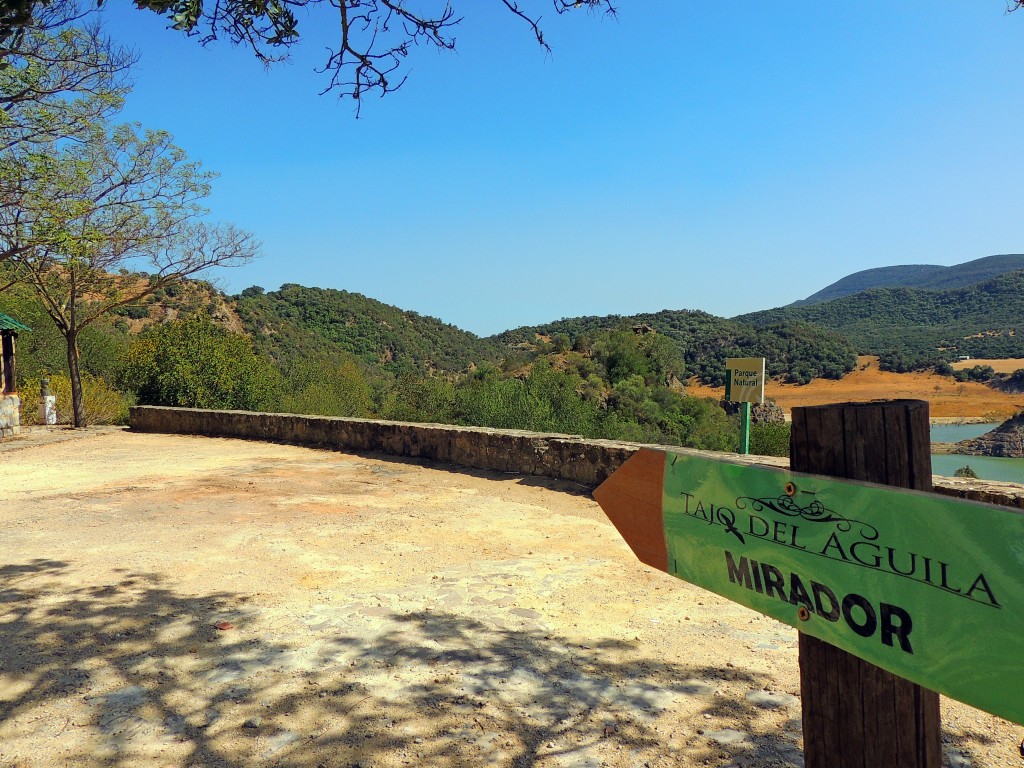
(928, 587)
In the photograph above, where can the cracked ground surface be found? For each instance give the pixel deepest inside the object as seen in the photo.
(187, 601)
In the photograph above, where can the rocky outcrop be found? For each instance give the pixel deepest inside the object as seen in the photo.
(760, 413)
(1008, 382)
(1006, 440)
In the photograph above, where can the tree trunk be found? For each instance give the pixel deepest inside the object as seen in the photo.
(77, 403)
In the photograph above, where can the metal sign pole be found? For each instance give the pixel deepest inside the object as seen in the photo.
(744, 428)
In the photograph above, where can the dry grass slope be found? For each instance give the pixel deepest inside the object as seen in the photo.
(948, 398)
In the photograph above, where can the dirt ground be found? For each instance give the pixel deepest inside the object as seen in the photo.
(1000, 365)
(186, 601)
(947, 397)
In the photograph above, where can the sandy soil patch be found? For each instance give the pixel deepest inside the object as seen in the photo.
(947, 398)
(185, 601)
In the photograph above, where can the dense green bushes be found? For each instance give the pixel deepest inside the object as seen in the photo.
(770, 439)
(612, 383)
(915, 329)
(197, 364)
(103, 404)
(326, 387)
(697, 344)
(618, 392)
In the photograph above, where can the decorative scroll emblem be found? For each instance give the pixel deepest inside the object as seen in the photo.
(815, 512)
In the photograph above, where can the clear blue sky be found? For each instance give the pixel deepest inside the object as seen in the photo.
(690, 155)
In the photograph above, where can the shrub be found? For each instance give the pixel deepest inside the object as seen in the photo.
(327, 389)
(103, 403)
(420, 399)
(770, 439)
(966, 471)
(134, 311)
(195, 364)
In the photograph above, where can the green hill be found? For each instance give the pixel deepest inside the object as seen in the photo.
(794, 349)
(296, 322)
(928, 276)
(914, 327)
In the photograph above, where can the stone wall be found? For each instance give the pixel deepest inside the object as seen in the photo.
(588, 462)
(10, 415)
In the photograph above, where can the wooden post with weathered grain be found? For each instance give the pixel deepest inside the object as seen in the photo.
(856, 715)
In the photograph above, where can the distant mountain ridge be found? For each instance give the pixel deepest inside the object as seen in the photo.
(908, 325)
(794, 350)
(914, 327)
(296, 321)
(931, 277)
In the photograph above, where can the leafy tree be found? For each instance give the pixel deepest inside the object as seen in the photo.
(327, 387)
(42, 352)
(419, 398)
(113, 196)
(624, 354)
(560, 342)
(966, 471)
(195, 363)
(583, 344)
(707, 425)
(494, 402)
(623, 358)
(559, 404)
(374, 39)
(55, 83)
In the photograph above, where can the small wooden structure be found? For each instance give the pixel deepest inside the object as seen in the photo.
(10, 403)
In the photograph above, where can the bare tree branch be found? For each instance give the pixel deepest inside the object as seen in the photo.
(375, 37)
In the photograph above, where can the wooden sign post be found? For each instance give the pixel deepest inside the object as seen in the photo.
(897, 592)
(845, 700)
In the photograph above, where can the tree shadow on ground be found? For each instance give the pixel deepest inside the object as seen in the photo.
(134, 672)
(131, 672)
(143, 659)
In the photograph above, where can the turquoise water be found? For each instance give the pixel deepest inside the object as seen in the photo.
(954, 433)
(986, 467)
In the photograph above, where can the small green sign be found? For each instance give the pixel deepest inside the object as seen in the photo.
(928, 587)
